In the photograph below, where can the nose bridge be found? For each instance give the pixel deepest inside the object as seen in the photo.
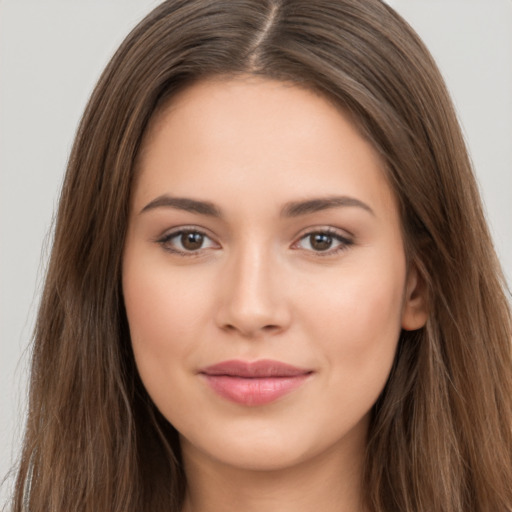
(253, 302)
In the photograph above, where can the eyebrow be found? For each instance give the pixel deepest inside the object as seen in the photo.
(297, 208)
(290, 209)
(183, 203)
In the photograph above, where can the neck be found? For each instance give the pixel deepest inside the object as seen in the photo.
(328, 482)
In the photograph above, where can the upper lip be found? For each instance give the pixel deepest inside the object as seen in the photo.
(254, 369)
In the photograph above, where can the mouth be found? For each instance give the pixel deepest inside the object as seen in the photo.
(254, 383)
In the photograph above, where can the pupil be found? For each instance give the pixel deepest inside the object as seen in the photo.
(192, 241)
(320, 241)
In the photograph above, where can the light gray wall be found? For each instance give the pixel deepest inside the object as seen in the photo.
(51, 54)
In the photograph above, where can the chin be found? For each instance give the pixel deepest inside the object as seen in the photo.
(255, 446)
(255, 454)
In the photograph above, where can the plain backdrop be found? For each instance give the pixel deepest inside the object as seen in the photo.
(51, 54)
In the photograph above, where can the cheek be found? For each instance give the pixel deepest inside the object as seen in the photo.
(165, 312)
(151, 307)
(357, 322)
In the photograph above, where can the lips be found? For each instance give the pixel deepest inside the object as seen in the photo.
(254, 383)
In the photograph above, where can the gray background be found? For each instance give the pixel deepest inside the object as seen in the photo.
(51, 54)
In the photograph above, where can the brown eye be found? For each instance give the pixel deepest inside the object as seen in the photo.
(187, 242)
(320, 241)
(323, 242)
(192, 240)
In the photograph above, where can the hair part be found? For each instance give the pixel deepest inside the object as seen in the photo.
(441, 432)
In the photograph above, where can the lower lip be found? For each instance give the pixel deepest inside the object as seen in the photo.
(254, 391)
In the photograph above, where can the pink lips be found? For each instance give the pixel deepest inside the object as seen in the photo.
(254, 383)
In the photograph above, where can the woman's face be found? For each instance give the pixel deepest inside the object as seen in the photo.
(264, 274)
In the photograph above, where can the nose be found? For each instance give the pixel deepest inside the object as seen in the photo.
(253, 299)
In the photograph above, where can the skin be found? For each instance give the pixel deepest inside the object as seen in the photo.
(259, 288)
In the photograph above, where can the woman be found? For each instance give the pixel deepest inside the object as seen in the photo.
(271, 285)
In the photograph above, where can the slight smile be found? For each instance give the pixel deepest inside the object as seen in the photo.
(254, 383)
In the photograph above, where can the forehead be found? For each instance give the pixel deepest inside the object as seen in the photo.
(218, 99)
(258, 135)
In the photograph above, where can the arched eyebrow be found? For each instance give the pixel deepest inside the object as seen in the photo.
(290, 209)
(183, 203)
(297, 208)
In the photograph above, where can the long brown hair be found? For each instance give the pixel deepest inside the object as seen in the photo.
(441, 433)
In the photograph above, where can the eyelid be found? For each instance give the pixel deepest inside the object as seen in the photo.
(345, 240)
(168, 235)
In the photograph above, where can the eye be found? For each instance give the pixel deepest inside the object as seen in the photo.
(187, 242)
(326, 241)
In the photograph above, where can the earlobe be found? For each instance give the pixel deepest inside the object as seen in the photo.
(415, 305)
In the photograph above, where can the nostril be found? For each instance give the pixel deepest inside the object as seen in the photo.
(270, 328)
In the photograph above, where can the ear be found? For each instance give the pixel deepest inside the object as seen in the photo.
(415, 304)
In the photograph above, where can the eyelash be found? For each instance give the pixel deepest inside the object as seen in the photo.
(343, 242)
(165, 240)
